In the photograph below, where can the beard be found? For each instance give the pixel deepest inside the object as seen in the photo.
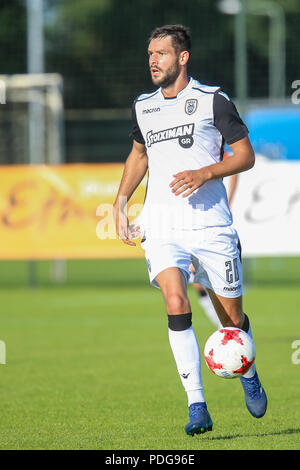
(170, 76)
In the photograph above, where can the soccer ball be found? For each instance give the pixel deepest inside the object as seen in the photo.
(229, 352)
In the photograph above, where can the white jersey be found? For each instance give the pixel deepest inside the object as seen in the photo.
(186, 132)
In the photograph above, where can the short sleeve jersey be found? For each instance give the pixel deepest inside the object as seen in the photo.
(186, 132)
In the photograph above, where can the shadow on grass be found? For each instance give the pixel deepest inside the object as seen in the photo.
(238, 436)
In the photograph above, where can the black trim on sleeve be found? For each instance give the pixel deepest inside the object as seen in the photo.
(149, 95)
(227, 119)
(136, 131)
(203, 91)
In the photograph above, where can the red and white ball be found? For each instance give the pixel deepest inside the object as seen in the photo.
(229, 352)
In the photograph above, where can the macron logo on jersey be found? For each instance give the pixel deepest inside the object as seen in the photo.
(151, 110)
(183, 133)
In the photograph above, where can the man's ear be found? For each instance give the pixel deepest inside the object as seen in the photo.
(184, 57)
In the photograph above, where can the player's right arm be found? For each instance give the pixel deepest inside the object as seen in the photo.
(134, 171)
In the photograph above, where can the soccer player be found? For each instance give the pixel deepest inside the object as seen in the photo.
(179, 131)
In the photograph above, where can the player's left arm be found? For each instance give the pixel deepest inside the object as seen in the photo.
(188, 181)
(233, 182)
(242, 159)
(235, 133)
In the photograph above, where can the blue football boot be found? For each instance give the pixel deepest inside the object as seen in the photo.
(255, 396)
(200, 420)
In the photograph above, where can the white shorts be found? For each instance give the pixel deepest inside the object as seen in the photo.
(214, 252)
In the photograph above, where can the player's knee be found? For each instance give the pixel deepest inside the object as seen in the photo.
(177, 304)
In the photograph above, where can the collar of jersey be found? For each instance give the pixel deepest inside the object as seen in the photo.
(180, 94)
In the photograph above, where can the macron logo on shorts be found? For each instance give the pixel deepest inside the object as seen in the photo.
(232, 289)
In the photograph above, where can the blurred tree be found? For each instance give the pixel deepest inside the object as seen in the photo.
(12, 37)
(258, 42)
(100, 46)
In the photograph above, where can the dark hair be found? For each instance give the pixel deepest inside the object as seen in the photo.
(180, 36)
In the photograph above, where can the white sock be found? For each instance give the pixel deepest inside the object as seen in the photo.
(186, 353)
(209, 310)
(252, 369)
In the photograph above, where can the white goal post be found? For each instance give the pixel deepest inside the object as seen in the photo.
(32, 131)
(31, 118)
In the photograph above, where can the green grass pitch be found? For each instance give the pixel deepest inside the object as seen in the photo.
(89, 364)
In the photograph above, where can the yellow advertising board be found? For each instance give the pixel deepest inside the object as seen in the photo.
(62, 211)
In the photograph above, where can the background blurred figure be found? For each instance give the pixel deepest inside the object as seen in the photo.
(203, 297)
